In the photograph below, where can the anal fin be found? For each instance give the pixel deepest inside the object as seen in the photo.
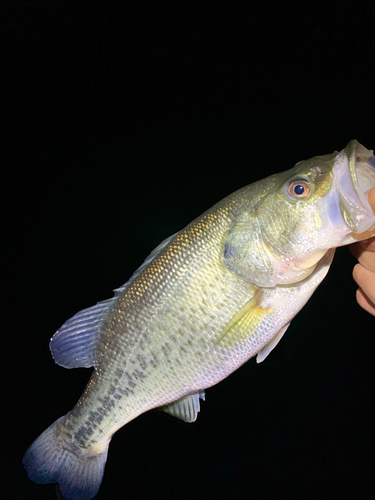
(185, 409)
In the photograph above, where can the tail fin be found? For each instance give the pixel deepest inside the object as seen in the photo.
(53, 458)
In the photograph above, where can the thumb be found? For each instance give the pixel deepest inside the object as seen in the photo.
(371, 199)
(370, 243)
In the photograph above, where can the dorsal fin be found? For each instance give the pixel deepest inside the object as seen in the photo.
(74, 344)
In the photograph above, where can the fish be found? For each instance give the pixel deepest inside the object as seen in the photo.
(222, 290)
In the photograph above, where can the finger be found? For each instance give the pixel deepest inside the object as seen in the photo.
(365, 302)
(368, 244)
(356, 250)
(371, 199)
(364, 257)
(365, 279)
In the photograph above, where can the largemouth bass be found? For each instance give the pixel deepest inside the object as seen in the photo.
(220, 291)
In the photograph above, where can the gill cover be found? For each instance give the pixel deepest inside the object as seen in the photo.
(272, 243)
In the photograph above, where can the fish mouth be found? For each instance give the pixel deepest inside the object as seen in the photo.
(354, 177)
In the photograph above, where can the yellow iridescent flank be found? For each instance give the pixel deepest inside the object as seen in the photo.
(220, 291)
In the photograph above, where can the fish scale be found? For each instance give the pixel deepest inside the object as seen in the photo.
(171, 338)
(206, 300)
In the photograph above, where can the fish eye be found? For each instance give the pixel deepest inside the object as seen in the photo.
(298, 189)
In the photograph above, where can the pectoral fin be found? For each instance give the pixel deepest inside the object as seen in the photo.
(186, 409)
(264, 352)
(245, 322)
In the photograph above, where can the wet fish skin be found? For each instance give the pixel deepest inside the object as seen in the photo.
(209, 298)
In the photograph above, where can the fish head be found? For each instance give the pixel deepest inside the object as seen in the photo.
(318, 205)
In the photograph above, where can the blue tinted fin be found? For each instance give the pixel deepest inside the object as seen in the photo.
(264, 352)
(53, 458)
(74, 344)
(186, 409)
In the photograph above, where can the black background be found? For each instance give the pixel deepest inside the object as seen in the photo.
(123, 121)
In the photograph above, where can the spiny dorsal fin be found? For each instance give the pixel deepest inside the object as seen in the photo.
(186, 409)
(143, 266)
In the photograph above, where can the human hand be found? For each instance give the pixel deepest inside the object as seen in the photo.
(364, 271)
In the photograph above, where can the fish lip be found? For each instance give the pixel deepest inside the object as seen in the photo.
(354, 176)
(351, 154)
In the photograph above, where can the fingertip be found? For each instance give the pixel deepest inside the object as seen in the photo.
(365, 302)
(359, 295)
(357, 272)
